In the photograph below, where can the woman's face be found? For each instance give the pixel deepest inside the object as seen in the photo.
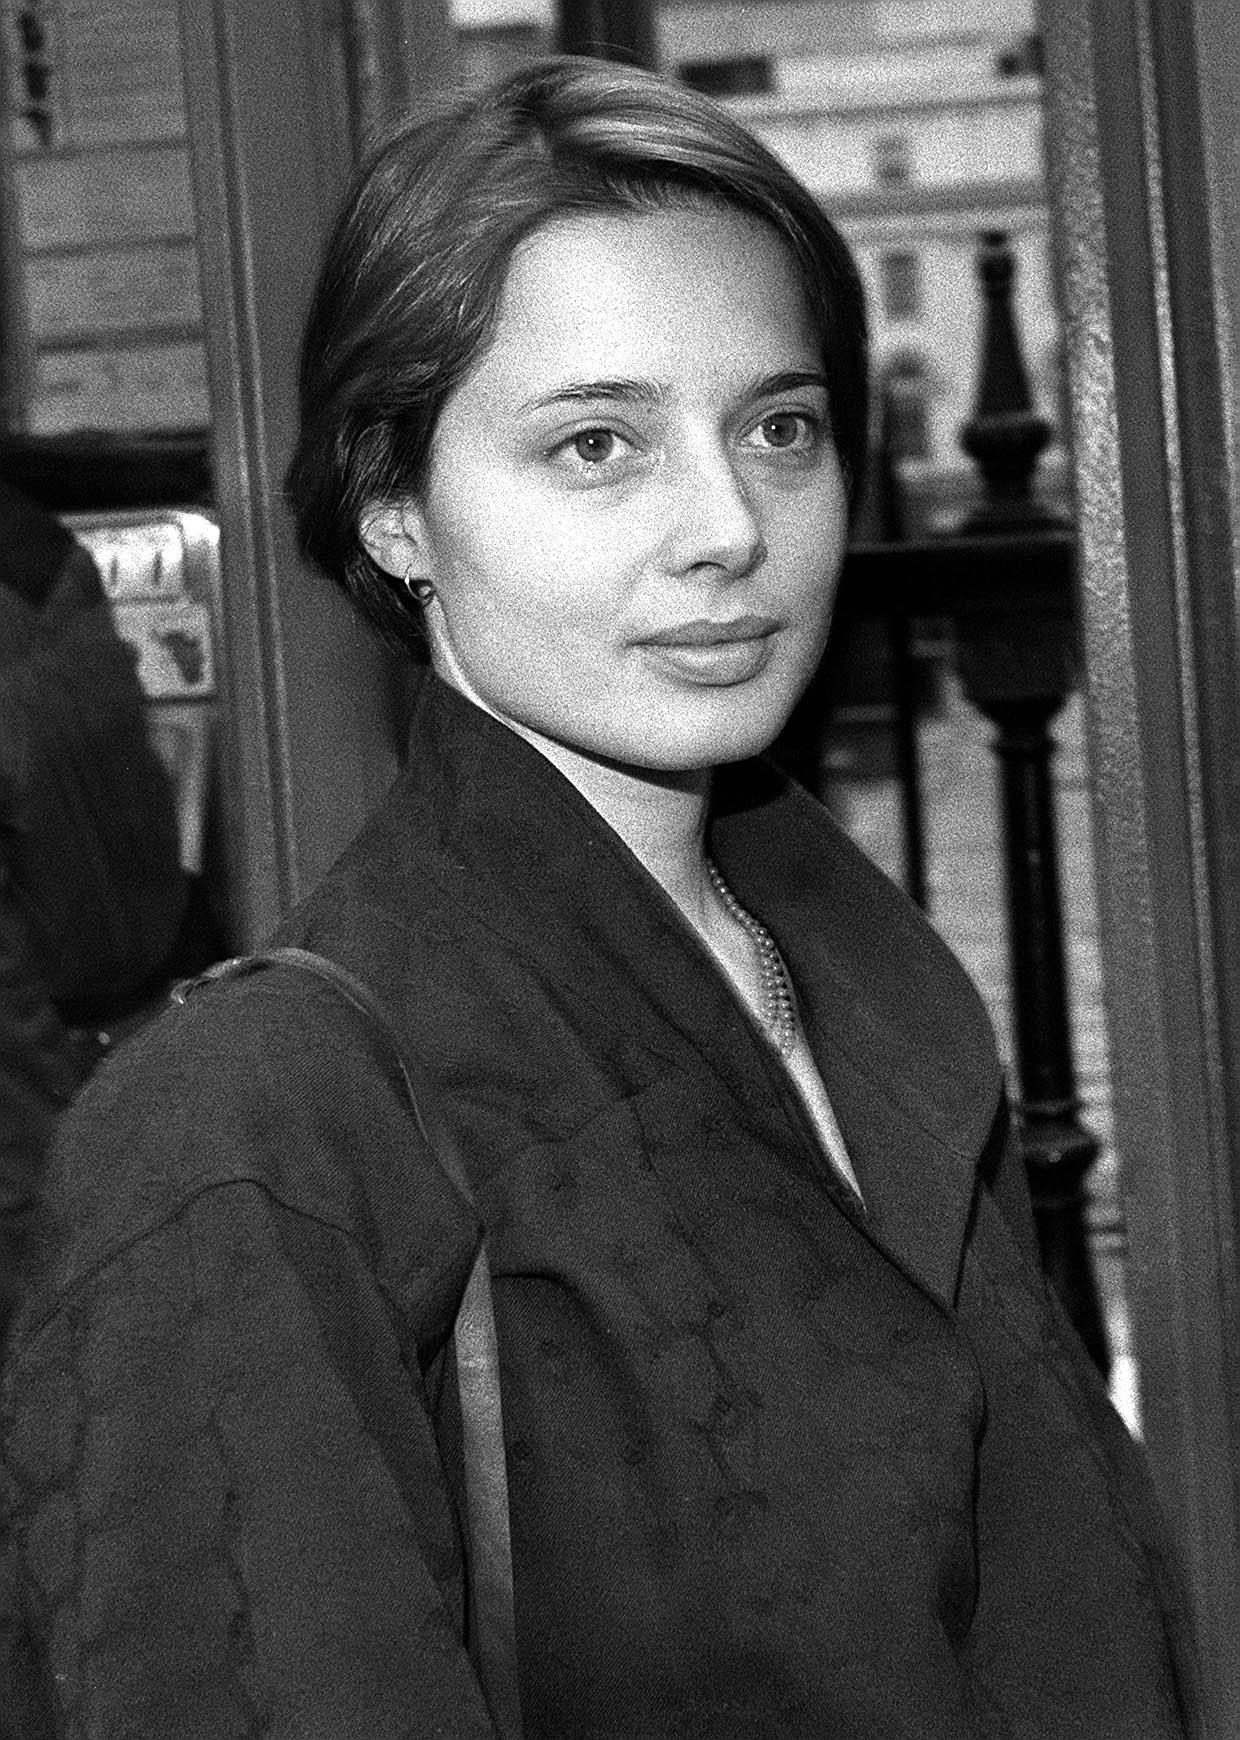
(634, 516)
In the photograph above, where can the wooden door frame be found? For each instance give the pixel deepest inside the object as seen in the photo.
(310, 698)
(1142, 123)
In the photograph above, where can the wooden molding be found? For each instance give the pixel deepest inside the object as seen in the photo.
(1144, 114)
(310, 745)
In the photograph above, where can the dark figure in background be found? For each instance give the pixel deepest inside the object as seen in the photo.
(91, 891)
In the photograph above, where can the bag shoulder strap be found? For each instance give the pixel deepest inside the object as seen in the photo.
(492, 1628)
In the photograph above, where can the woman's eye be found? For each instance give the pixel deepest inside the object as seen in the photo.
(591, 449)
(785, 431)
(594, 445)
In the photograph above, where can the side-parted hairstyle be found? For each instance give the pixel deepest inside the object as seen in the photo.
(415, 268)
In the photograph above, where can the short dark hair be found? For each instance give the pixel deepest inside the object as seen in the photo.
(415, 267)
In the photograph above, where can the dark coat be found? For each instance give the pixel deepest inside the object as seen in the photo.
(778, 1468)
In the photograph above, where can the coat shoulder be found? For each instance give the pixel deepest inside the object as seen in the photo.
(268, 1083)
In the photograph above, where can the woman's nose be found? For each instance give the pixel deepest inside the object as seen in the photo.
(715, 522)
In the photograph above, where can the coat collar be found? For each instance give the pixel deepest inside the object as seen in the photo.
(482, 828)
(901, 1037)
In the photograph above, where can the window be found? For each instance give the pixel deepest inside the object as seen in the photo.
(906, 407)
(901, 284)
(742, 76)
(33, 71)
(1023, 59)
(893, 160)
(1054, 374)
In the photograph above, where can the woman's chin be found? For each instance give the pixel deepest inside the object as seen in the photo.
(658, 733)
(694, 749)
(726, 733)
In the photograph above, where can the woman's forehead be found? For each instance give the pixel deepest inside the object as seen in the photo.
(702, 287)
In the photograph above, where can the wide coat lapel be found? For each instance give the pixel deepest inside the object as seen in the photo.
(899, 1033)
(483, 831)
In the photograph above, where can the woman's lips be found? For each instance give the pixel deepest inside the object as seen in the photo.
(714, 653)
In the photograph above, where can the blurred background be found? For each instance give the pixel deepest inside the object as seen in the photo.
(917, 122)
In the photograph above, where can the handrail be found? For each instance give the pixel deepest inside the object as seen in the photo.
(104, 471)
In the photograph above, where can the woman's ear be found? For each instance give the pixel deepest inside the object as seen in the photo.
(392, 536)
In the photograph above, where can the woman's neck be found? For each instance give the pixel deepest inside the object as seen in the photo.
(661, 817)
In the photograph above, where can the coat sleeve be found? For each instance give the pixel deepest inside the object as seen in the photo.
(228, 1510)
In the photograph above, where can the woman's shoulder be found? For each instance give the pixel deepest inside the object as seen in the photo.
(269, 1083)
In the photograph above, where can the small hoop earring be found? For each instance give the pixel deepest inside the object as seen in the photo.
(420, 591)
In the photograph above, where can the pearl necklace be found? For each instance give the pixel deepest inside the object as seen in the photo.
(779, 1013)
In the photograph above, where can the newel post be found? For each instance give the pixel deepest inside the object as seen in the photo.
(1018, 665)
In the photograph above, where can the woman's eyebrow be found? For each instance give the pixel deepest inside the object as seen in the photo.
(786, 381)
(627, 391)
(635, 391)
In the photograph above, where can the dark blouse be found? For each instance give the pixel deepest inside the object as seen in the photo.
(779, 1466)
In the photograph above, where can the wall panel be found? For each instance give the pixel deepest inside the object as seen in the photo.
(105, 217)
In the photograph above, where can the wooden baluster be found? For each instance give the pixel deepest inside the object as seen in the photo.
(1018, 667)
(905, 676)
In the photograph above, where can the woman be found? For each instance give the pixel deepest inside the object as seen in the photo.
(797, 1443)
